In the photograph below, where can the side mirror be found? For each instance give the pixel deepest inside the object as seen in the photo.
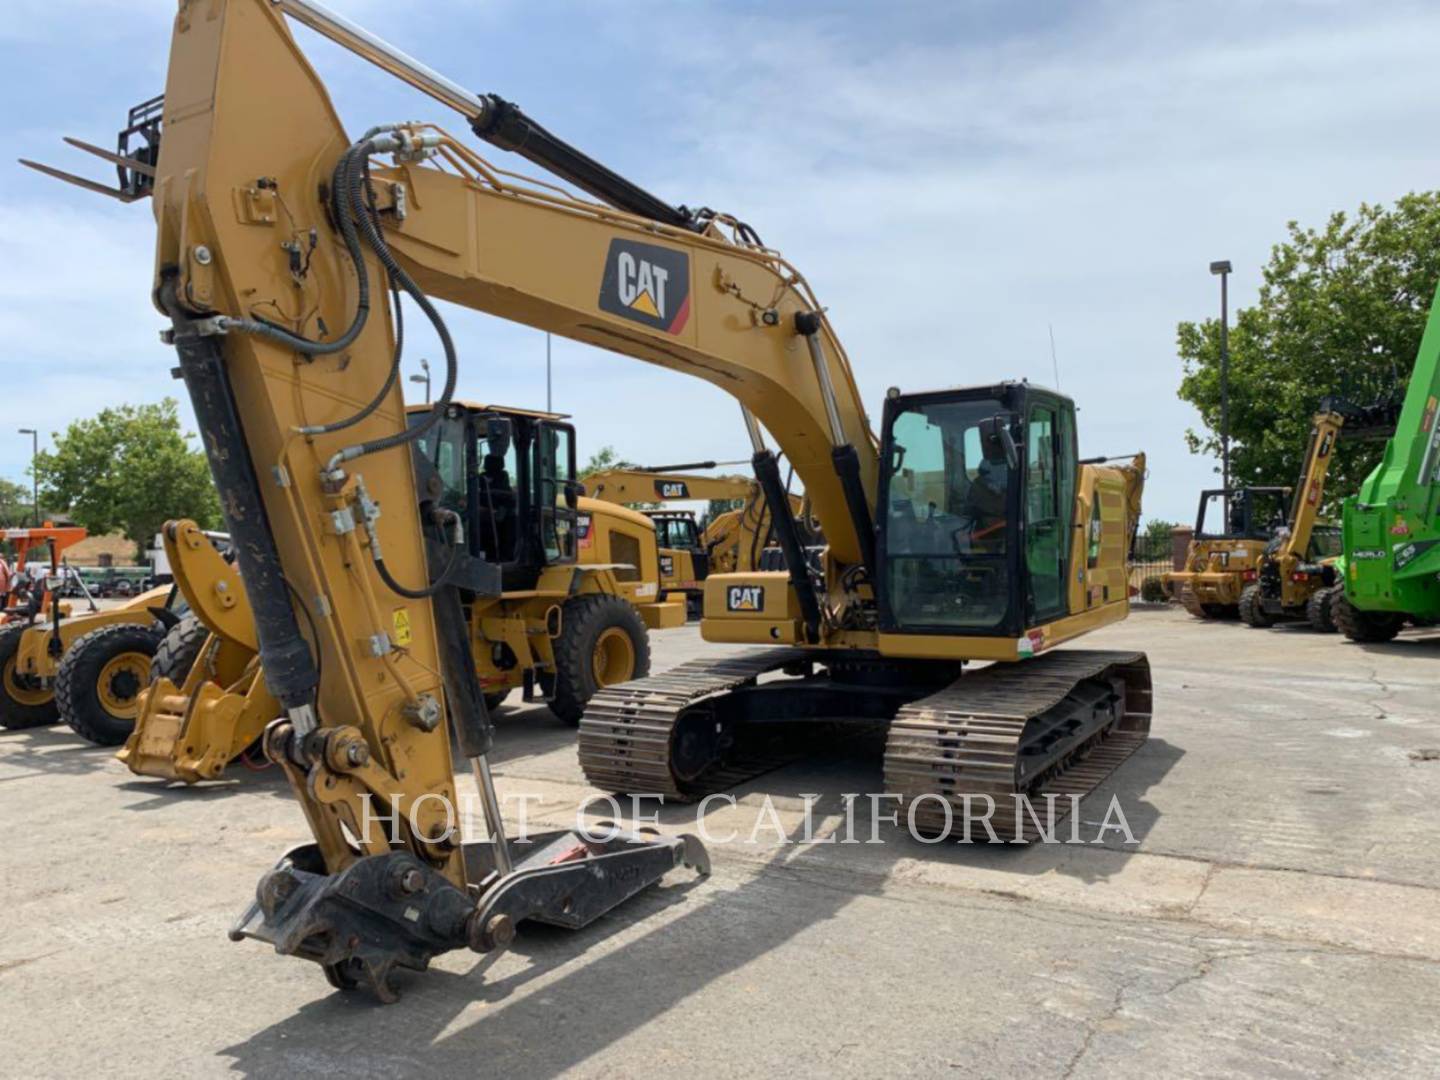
(997, 441)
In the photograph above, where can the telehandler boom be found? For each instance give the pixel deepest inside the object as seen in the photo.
(969, 530)
(1295, 577)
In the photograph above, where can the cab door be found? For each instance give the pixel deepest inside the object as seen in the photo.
(556, 491)
(1047, 513)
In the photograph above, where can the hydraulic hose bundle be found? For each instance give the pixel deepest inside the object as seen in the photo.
(353, 209)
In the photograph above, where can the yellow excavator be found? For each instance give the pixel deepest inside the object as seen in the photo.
(969, 530)
(733, 540)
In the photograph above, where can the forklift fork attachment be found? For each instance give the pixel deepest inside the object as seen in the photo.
(135, 168)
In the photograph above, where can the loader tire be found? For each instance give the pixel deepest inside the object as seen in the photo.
(1367, 627)
(602, 642)
(179, 650)
(1251, 612)
(24, 703)
(1320, 609)
(100, 679)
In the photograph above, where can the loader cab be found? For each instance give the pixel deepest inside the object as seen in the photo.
(1254, 513)
(511, 476)
(977, 492)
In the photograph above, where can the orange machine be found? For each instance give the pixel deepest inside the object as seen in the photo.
(27, 597)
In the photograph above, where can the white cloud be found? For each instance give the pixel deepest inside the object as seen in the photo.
(950, 188)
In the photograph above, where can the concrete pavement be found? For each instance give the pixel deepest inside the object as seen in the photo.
(1279, 915)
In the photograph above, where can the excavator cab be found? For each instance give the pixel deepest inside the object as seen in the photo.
(684, 557)
(976, 496)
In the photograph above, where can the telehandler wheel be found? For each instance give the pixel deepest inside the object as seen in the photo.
(179, 650)
(100, 679)
(602, 642)
(1251, 612)
(1320, 609)
(1366, 627)
(24, 702)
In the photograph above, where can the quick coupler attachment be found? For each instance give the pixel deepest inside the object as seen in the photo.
(391, 911)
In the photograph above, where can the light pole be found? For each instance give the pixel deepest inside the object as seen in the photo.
(1222, 268)
(425, 367)
(34, 474)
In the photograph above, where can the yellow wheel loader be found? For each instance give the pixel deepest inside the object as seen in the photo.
(580, 578)
(968, 530)
(1232, 530)
(85, 669)
(206, 702)
(580, 595)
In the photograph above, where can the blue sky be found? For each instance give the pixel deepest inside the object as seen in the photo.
(953, 178)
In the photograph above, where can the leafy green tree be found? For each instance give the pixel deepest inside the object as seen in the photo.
(15, 503)
(602, 459)
(131, 468)
(1341, 312)
(1157, 531)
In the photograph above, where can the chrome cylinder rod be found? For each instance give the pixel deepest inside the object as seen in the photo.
(752, 428)
(494, 824)
(384, 55)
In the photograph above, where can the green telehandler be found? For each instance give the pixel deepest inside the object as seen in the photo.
(1392, 525)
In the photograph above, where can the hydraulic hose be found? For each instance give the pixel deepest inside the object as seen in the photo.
(430, 591)
(379, 398)
(398, 275)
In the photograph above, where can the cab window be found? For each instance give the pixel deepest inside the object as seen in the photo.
(497, 525)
